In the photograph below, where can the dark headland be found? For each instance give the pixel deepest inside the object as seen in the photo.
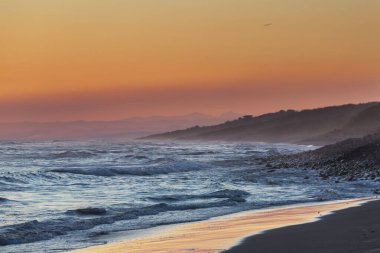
(352, 230)
(349, 136)
(319, 126)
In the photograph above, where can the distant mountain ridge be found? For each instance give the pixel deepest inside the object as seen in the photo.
(313, 126)
(126, 129)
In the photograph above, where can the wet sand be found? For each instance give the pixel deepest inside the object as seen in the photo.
(353, 230)
(222, 233)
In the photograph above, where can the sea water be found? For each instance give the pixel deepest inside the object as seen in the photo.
(57, 196)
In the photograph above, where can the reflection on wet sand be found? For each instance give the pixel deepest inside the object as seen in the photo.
(221, 233)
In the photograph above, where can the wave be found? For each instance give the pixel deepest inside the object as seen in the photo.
(11, 179)
(33, 231)
(10, 183)
(227, 194)
(88, 211)
(73, 154)
(235, 195)
(3, 199)
(147, 170)
(199, 153)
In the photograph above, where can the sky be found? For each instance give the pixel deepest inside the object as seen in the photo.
(102, 60)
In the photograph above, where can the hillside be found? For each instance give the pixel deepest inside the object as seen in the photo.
(315, 126)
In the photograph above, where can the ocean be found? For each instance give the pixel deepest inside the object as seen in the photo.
(57, 196)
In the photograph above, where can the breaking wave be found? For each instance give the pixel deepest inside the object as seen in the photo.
(70, 192)
(73, 154)
(35, 230)
(234, 195)
(147, 170)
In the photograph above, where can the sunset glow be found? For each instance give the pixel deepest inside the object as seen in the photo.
(69, 60)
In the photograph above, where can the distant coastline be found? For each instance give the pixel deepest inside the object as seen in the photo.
(319, 126)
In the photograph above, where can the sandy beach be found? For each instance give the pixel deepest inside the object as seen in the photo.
(352, 230)
(228, 232)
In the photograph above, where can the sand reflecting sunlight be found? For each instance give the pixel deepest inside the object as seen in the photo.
(221, 233)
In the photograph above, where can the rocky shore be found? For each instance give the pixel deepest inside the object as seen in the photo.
(351, 159)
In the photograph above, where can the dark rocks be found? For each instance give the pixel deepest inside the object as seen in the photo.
(3, 242)
(238, 199)
(350, 160)
(90, 211)
(268, 165)
(230, 194)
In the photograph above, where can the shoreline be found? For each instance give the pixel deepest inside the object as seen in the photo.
(354, 230)
(225, 232)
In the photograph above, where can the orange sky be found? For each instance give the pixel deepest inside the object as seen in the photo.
(92, 59)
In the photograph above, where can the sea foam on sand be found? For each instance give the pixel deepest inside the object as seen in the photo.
(221, 233)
